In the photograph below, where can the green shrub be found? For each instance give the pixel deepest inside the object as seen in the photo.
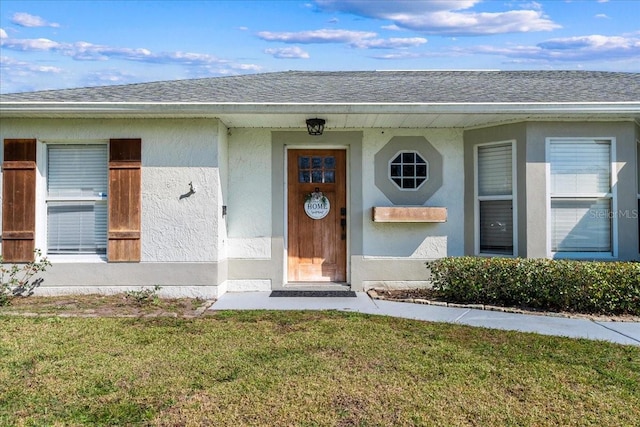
(557, 285)
(18, 279)
(144, 296)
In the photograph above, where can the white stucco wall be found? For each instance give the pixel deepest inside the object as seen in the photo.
(422, 240)
(249, 198)
(249, 220)
(250, 188)
(234, 167)
(174, 153)
(223, 188)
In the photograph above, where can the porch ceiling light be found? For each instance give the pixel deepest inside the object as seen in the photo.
(315, 126)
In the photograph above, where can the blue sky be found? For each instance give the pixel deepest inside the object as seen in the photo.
(52, 44)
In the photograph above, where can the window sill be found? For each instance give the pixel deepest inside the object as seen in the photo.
(409, 214)
(584, 256)
(62, 259)
(494, 255)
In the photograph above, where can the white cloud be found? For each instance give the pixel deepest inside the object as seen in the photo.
(108, 77)
(602, 16)
(571, 49)
(176, 57)
(453, 23)
(594, 45)
(356, 39)
(287, 53)
(28, 44)
(246, 67)
(27, 68)
(399, 55)
(448, 17)
(576, 51)
(317, 36)
(22, 76)
(85, 51)
(227, 69)
(391, 43)
(379, 9)
(26, 20)
(532, 5)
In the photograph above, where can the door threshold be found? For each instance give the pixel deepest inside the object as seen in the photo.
(313, 294)
(316, 286)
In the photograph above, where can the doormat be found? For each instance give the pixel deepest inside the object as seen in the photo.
(313, 294)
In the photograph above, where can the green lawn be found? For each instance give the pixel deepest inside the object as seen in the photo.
(306, 369)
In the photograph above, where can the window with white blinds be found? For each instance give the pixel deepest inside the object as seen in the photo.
(580, 225)
(581, 198)
(495, 175)
(77, 198)
(580, 167)
(494, 199)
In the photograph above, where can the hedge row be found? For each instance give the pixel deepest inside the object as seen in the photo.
(554, 285)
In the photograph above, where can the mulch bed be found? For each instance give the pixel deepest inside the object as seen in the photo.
(433, 297)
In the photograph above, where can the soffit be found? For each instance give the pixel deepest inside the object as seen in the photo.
(337, 116)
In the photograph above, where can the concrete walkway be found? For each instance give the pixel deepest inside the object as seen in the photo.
(617, 332)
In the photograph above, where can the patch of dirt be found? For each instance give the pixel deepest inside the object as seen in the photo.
(403, 294)
(119, 305)
(433, 297)
(122, 305)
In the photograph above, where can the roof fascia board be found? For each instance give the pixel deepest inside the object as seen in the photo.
(71, 108)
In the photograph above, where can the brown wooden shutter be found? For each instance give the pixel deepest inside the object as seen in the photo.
(19, 200)
(124, 200)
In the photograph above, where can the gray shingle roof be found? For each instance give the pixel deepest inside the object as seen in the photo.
(366, 87)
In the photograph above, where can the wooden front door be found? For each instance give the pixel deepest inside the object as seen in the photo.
(317, 248)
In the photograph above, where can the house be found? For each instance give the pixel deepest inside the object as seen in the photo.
(212, 185)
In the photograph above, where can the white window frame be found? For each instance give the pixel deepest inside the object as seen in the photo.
(612, 195)
(513, 198)
(43, 199)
